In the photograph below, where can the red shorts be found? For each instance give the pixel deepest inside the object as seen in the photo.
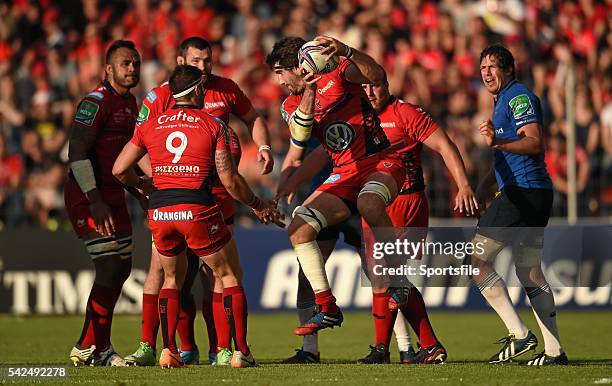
(226, 203)
(197, 227)
(409, 214)
(347, 181)
(77, 207)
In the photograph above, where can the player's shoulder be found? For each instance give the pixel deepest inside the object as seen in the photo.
(222, 84)
(516, 90)
(160, 92)
(402, 107)
(102, 93)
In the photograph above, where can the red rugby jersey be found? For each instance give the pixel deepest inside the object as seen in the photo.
(181, 143)
(407, 126)
(346, 124)
(111, 117)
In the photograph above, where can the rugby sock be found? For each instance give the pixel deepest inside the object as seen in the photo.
(494, 291)
(326, 301)
(169, 308)
(383, 317)
(235, 303)
(312, 263)
(207, 314)
(186, 321)
(150, 319)
(99, 317)
(416, 313)
(402, 335)
(306, 311)
(221, 322)
(543, 304)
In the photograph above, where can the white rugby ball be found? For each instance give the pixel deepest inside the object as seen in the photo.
(311, 59)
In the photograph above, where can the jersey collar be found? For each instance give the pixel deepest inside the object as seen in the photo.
(503, 90)
(110, 88)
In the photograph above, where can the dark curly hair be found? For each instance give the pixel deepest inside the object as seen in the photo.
(285, 53)
(503, 55)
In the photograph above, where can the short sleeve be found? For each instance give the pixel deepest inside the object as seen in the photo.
(288, 107)
(91, 112)
(523, 109)
(137, 138)
(419, 125)
(152, 105)
(223, 137)
(240, 102)
(343, 66)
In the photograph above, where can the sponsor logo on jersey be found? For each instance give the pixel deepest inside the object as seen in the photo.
(87, 112)
(339, 135)
(324, 89)
(181, 215)
(180, 116)
(332, 178)
(499, 131)
(143, 114)
(81, 222)
(214, 105)
(151, 96)
(387, 124)
(521, 106)
(173, 169)
(96, 95)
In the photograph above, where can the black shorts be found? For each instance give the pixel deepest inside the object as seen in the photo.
(517, 214)
(350, 228)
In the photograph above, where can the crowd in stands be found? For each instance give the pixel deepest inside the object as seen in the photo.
(51, 55)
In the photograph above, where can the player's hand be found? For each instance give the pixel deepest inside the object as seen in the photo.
(265, 156)
(487, 130)
(310, 79)
(286, 189)
(266, 212)
(146, 186)
(332, 46)
(103, 219)
(466, 201)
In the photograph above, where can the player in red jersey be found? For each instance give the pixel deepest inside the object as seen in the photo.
(334, 108)
(408, 127)
(186, 145)
(222, 97)
(95, 200)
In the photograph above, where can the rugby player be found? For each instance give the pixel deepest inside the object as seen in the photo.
(222, 97)
(185, 145)
(95, 200)
(520, 211)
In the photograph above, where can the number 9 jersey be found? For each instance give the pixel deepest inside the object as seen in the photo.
(181, 143)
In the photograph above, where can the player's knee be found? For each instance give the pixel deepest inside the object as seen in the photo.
(300, 232)
(487, 251)
(306, 224)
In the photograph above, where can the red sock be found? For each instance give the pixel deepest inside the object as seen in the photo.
(221, 322)
(418, 319)
(169, 308)
(150, 319)
(207, 313)
(326, 301)
(235, 303)
(384, 319)
(99, 317)
(185, 324)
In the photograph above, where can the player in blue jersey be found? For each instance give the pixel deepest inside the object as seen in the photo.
(520, 211)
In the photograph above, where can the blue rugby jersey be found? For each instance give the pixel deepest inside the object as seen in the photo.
(517, 106)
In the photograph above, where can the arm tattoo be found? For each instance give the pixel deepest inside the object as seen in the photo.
(224, 162)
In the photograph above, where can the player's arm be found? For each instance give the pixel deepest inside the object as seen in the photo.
(123, 169)
(314, 162)
(301, 121)
(240, 190)
(292, 161)
(261, 136)
(365, 68)
(529, 142)
(441, 143)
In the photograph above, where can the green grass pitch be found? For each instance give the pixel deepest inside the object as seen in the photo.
(468, 338)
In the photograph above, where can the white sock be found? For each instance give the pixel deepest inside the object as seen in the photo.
(543, 304)
(311, 260)
(494, 290)
(305, 312)
(402, 334)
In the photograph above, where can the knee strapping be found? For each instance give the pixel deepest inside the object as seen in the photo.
(378, 188)
(101, 247)
(313, 217)
(490, 248)
(525, 257)
(126, 247)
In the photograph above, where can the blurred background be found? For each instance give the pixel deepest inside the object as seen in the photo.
(51, 55)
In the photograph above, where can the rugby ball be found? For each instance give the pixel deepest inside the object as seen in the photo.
(311, 59)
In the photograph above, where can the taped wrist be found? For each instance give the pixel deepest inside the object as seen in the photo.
(83, 173)
(300, 125)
